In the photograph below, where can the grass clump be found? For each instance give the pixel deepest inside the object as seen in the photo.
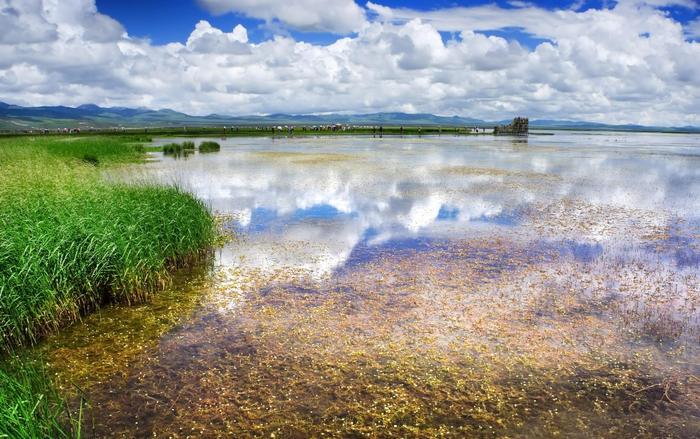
(209, 146)
(71, 241)
(172, 148)
(91, 159)
(31, 408)
(178, 150)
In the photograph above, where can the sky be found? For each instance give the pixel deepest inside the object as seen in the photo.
(626, 61)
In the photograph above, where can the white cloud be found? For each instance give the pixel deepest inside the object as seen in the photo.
(631, 63)
(207, 39)
(77, 19)
(337, 16)
(20, 24)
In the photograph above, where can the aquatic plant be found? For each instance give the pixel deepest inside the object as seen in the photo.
(172, 148)
(30, 407)
(178, 150)
(209, 146)
(412, 344)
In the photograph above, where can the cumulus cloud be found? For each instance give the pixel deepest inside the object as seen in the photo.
(208, 39)
(628, 64)
(76, 19)
(337, 16)
(20, 24)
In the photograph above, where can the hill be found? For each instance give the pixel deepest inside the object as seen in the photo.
(18, 118)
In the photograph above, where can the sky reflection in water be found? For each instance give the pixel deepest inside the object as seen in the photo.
(524, 287)
(346, 194)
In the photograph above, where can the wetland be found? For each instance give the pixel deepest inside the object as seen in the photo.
(435, 286)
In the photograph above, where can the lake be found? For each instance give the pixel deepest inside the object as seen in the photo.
(415, 286)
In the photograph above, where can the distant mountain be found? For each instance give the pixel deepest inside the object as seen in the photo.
(595, 126)
(15, 117)
(89, 115)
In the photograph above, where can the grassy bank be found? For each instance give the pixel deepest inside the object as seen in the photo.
(70, 241)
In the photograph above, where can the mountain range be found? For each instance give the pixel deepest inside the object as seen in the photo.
(18, 118)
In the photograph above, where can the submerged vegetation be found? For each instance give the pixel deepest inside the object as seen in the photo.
(430, 343)
(72, 241)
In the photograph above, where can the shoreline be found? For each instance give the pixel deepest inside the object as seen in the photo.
(73, 242)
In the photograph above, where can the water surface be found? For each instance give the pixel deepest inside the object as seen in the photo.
(417, 286)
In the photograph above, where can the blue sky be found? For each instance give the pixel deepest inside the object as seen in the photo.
(164, 21)
(630, 61)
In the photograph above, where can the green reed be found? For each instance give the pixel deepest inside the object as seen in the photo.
(209, 146)
(31, 407)
(70, 241)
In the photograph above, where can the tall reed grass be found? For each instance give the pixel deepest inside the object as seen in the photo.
(71, 241)
(179, 149)
(31, 408)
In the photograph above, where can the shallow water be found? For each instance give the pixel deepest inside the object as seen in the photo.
(416, 287)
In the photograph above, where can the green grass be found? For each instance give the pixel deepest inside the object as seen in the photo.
(209, 146)
(179, 149)
(30, 407)
(70, 240)
(172, 148)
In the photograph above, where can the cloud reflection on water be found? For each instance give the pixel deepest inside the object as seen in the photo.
(319, 197)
